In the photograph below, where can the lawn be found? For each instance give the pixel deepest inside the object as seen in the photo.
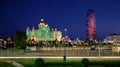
(47, 64)
(71, 63)
(50, 63)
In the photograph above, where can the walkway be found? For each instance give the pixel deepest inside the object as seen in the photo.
(15, 63)
(60, 57)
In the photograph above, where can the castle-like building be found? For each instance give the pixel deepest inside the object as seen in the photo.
(43, 33)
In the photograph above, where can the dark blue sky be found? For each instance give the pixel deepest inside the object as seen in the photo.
(70, 14)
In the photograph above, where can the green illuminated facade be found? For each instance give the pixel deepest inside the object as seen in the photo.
(43, 33)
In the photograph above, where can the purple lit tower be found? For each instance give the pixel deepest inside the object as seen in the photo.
(91, 25)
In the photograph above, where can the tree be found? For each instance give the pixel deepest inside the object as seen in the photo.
(39, 62)
(20, 39)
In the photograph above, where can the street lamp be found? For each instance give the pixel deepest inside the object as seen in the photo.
(99, 46)
(65, 31)
(64, 57)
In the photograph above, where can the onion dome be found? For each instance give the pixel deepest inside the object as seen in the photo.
(52, 29)
(46, 25)
(41, 22)
(28, 28)
(55, 29)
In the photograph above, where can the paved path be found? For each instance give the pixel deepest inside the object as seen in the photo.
(61, 57)
(15, 63)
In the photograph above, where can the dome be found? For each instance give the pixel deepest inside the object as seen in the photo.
(46, 25)
(41, 22)
(28, 28)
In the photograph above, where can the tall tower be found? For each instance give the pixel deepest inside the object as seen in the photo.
(91, 25)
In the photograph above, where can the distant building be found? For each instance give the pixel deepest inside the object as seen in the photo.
(113, 38)
(43, 33)
(1, 40)
(6, 42)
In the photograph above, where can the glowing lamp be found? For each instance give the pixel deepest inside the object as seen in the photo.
(52, 29)
(55, 29)
(42, 19)
(28, 28)
(40, 24)
(46, 25)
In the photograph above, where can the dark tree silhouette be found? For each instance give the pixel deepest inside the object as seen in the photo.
(20, 39)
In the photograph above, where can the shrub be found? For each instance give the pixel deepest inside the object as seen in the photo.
(85, 61)
(39, 62)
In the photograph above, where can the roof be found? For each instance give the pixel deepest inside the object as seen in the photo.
(113, 34)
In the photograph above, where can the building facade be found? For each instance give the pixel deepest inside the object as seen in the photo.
(43, 33)
(113, 38)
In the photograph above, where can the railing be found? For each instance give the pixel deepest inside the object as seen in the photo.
(58, 51)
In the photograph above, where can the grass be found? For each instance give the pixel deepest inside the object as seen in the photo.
(105, 63)
(50, 63)
(26, 63)
(5, 64)
(70, 63)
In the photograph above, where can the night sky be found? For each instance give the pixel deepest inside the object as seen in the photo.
(60, 14)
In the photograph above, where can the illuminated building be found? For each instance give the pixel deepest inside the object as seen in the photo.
(43, 33)
(113, 38)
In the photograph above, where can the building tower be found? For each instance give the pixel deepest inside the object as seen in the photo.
(91, 26)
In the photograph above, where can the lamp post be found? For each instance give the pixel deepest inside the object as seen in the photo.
(64, 57)
(99, 48)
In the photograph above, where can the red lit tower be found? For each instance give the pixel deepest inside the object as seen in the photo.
(91, 25)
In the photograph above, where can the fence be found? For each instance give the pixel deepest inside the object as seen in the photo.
(58, 51)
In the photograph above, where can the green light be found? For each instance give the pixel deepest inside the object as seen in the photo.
(43, 33)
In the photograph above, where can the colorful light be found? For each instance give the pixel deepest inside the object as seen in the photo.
(91, 28)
